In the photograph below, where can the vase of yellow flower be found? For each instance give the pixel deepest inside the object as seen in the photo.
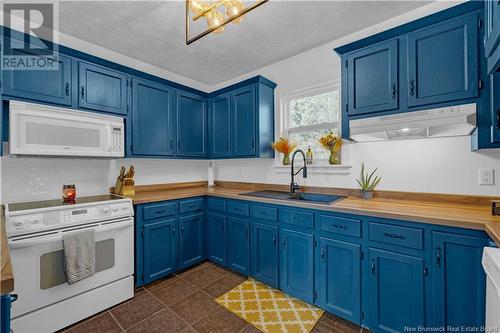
(332, 143)
(284, 146)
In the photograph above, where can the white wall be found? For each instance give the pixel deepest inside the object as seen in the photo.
(431, 165)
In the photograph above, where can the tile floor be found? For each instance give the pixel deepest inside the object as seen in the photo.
(185, 303)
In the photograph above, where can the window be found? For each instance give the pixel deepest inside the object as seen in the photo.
(310, 114)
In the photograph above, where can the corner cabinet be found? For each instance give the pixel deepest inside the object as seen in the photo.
(492, 35)
(152, 119)
(191, 125)
(242, 120)
(101, 89)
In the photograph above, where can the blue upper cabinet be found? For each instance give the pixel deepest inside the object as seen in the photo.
(495, 107)
(101, 89)
(492, 34)
(243, 124)
(458, 295)
(153, 122)
(191, 245)
(219, 124)
(50, 86)
(297, 264)
(443, 62)
(191, 125)
(396, 291)
(338, 274)
(372, 78)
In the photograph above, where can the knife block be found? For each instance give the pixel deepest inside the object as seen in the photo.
(125, 187)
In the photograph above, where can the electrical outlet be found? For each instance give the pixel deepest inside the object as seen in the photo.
(486, 177)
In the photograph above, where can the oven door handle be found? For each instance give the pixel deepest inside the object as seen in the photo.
(37, 240)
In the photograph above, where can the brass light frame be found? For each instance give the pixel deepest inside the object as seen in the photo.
(256, 4)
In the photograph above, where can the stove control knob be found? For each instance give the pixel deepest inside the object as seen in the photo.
(18, 223)
(34, 220)
(114, 209)
(105, 210)
(125, 208)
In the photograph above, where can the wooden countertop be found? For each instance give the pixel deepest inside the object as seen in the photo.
(470, 216)
(6, 275)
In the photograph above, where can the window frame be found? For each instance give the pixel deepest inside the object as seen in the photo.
(286, 98)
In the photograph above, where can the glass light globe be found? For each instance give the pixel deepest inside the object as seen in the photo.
(197, 6)
(214, 18)
(234, 7)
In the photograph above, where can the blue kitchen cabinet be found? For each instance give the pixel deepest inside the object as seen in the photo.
(5, 307)
(191, 125)
(443, 62)
(297, 264)
(160, 249)
(216, 238)
(238, 243)
(338, 276)
(495, 107)
(191, 244)
(50, 86)
(396, 291)
(492, 34)
(265, 253)
(372, 79)
(243, 122)
(458, 294)
(101, 89)
(219, 124)
(153, 115)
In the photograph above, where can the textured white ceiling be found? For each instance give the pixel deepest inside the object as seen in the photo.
(154, 32)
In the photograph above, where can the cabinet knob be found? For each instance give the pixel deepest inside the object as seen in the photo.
(322, 254)
(372, 267)
(438, 257)
(66, 88)
(274, 240)
(171, 144)
(412, 87)
(82, 92)
(394, 91)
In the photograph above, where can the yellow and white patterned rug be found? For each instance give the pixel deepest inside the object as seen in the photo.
(270, 310)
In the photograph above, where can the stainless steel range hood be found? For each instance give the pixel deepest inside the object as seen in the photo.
(449, 121)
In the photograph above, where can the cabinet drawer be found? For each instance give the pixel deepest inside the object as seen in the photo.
(396, 235)
(297, 218)
(238, 208)
(340, 225)
(160, 210)
(191, 205)
(265, 213)
(217, 204)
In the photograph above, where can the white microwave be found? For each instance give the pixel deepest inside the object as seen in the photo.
(46, 130)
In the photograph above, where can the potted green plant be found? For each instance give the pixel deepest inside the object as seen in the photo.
(367, 182)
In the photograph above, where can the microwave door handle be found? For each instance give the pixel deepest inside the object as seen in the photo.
(110, 138)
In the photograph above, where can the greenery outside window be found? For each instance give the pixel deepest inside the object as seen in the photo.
(309, 114)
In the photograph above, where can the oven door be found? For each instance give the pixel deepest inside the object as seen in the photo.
(38, 264)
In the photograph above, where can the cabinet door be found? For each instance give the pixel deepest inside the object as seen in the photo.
(372, 78)
(265, 253)
(216, 238)
(153, 119)
(492, 26)
(458, 295)
(101, 89)
(443, 62)
(495, 107)
(238, 238)
(191, 240)
(51, 86)
(338, 273)
(296, 264)
(396, 291)
(243, 121)
(191, 125)
(160, 249)
(219, 125)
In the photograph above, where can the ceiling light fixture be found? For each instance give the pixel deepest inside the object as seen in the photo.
(234, 10)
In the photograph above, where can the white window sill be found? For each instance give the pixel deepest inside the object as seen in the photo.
(318, 168)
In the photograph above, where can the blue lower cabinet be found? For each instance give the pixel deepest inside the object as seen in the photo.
(238, 241)
(5, 306)
(396, 291)
(458, 296)
(216, 238)
(191, 240)
(296, 264)
(338, 278)
(160, 249)
(265, 255)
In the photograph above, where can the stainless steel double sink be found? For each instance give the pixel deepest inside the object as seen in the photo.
(317, 198)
